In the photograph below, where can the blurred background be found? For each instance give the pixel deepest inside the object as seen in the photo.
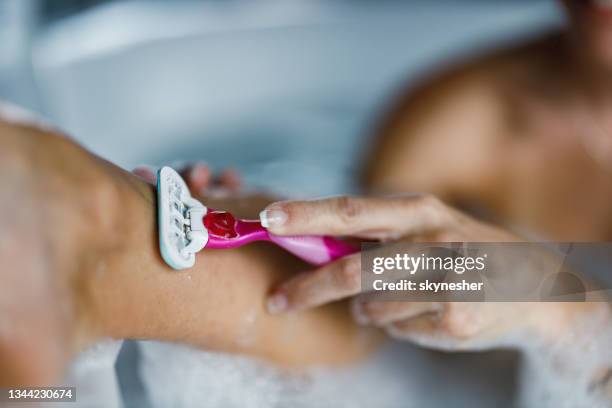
(285, 91)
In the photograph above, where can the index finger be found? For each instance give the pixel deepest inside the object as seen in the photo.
(348, 215)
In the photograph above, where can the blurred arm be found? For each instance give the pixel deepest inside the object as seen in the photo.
(439, 138)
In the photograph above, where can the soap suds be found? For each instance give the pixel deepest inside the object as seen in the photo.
(399, 375)
(561, 374)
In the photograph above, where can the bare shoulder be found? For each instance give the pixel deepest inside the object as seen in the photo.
(438, 135)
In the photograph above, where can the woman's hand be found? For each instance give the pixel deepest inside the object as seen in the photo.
(418, 218)
(199, 179)
(223, 190)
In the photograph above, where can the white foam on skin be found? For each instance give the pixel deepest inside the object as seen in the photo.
(399, 375)
(560, 374)
(564, 373)
(222, 380)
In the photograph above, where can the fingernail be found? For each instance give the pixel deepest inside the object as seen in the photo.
(272, 217)
(277, 303)
(358, 313)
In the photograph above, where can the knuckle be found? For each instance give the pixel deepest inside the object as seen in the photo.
(454, 323)
(297, 213)
(431, 203)
(348, 208)
(348, 275)
(430, 200)
(372, 312)
(434, 209)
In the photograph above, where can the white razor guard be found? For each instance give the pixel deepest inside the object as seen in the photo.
(181, 231)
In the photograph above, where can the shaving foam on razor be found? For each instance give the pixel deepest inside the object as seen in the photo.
(186, 227)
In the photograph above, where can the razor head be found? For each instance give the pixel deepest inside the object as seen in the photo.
(181, 233)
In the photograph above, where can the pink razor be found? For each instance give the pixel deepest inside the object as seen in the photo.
(186, 226)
